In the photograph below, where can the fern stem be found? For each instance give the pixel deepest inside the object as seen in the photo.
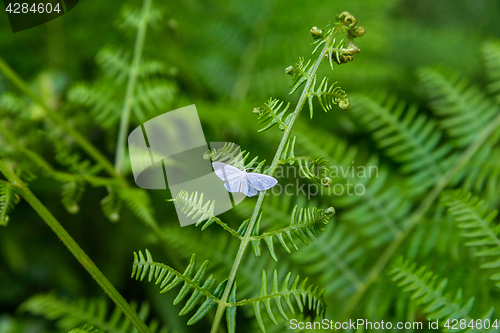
(134, 69)
(73, 247)
(222, 305)
(419, 213)
(57, 118)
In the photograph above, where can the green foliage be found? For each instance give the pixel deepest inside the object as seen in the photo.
(440, 134)
(464, 109)
(7, 201)
(73, 313)
(304, 224)
(475, 219)
(168, 279)
(303, 294)
(231, 154)
(429, 290)
(273, 112)
(408, 138)
(84, 329)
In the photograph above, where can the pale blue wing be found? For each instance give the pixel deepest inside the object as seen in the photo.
(227, 172)
(246, 186)
(260, 182)
(234, 184)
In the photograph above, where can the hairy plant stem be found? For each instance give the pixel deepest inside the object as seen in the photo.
(73, 247)
(223, 304)
(416, 217)
(129, 96)
(57, 118)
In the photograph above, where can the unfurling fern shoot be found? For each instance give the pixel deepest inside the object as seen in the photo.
(306, 223)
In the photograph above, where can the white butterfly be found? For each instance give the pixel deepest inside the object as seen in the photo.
(236, 180)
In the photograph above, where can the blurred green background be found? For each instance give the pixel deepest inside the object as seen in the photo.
(227, 57)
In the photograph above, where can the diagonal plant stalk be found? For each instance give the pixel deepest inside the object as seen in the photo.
(417, 216)
(223, 303)
(129, 96)
(73, 247)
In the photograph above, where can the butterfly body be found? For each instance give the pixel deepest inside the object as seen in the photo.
(236, 180)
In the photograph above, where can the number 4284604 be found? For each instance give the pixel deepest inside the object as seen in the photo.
(23, 8)
(454, 324)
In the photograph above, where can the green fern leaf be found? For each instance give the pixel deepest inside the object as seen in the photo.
(310, 168)
(476, 221)
(139, 203)
(304, 224)
(71, 193)
(111, 206)
(69, 314)
(84, 329)
(115, 63)
(381, 209)
(407, 137)
(300, 74)
(273, 113)
(168, 278)
(231, 154)
(132, 17)
(491, 55)
(152, 95)
(464, 109)
(429, 290)
(193, 206)
(7, 201)
(328, 96)
(305, 296)
(100, 99)
(335, 259)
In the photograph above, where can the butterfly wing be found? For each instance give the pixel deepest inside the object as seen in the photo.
(231, 176)
(246, 186)
(260, 182)
(226, 172)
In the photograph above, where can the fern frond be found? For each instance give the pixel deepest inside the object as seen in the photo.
(193, 206)
(335, 259)
(115, 63)
(381, 208)
(313, 169)
(71, 193)
(149, 68)
(131, 17)
(139, 203)
(475, 220)
(84, 329)
(429, 290)
(464, 108)
(101, 101)
(231, 154)
(327, 96)
(309, 296)
(73, 161)
(407, 137)
(168, 278)
(69, 314)
(111, 206)
(7, 201)
(491, 55)
(152, 95)
(304, 224)
(300, 73)
(273, 113)
(14, 104)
